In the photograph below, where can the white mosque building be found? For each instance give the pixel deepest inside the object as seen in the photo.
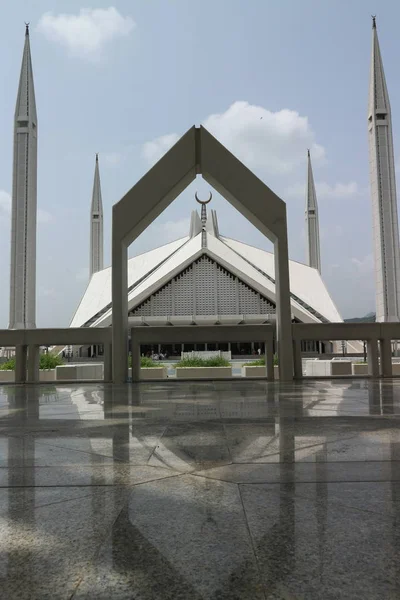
(206, 277)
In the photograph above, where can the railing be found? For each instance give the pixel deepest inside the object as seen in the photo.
(28, 341)
(382, 334)
(379, 337)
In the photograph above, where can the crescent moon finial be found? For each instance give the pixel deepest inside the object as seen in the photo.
(203, 201)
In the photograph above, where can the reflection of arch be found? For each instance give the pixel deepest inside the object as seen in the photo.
(198, 152)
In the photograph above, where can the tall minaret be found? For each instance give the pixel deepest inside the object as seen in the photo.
(313, 249)
(96, 224)
(383, 191)
(24, 200)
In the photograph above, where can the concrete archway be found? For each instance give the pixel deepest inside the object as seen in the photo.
(198, 152)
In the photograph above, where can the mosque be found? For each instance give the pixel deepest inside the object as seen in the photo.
(206, 277)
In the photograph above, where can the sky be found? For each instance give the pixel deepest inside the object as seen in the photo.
(126, 78)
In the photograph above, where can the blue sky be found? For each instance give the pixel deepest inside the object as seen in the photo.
(126, 78)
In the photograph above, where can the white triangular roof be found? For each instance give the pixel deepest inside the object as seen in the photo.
(98, 292)
(148, 272)
(305, 282)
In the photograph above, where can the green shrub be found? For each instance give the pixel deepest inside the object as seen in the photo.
(260, 362)
(46, 361)
(148, 363)
(9, 365)
(50, 361)
(256, 363)
(217, 361)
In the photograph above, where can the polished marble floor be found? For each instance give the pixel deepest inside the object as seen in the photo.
(183, 491)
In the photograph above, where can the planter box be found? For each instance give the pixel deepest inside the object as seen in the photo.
(153, 373)
(360, 369)
(395, 369)
(7, 376)
(328, 368)
(47, 375)
(258, 371)
(203, 372)
(80, 372)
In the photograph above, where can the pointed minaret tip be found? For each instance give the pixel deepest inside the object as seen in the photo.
(308, 152)
(26, 28)
(373, 21)
(97, 157)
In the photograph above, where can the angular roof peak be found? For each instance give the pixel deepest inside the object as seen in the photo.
(311, 196)
(97, 203)
(378, 92)
(25, 108)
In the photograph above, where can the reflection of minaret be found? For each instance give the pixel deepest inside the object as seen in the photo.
(313, 249)
(96, 224)
(383, 191)
(24, 201)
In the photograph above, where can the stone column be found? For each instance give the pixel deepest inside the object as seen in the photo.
(298, 366)
(372, 358)
(33, 364)
(283, 308)
(135, 358)
(269, 358)
(20, 363)
(119, 311)
(386, 357)
(107, 362)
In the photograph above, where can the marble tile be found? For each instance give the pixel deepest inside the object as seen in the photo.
(190, 446)
(309, 548)
(305, 472)
(82, 475)
(94, 489)
(46, 544)
(178, 539)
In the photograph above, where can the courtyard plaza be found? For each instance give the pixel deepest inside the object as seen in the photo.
(206, 490)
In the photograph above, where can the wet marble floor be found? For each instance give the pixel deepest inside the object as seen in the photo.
(183, 491)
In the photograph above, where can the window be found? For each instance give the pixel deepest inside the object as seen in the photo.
(381, 116)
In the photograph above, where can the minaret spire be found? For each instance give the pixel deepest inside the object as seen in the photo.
(383, 191)
(312, 222)
(96, 224)
(24, 200)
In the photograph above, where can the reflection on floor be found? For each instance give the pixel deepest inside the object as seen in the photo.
(180, 491)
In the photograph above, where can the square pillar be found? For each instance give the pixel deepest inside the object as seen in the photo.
(33, 364)
(386, 357)
(107, 363)
(119, 309)
(297, 364)
(269, 358)
(283, 308)
(20, 363)
(372, 358)
(135, 358)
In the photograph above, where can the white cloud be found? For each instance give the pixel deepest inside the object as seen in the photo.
(5, 205)
(43, 216)
(172, 230)
(82, 274)
(364, 265)
(325, 190)
(111, 158)
(153, 151)
(275, 142)
(339, 190)
(5, 209)
(44, 292)
(86, 33)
